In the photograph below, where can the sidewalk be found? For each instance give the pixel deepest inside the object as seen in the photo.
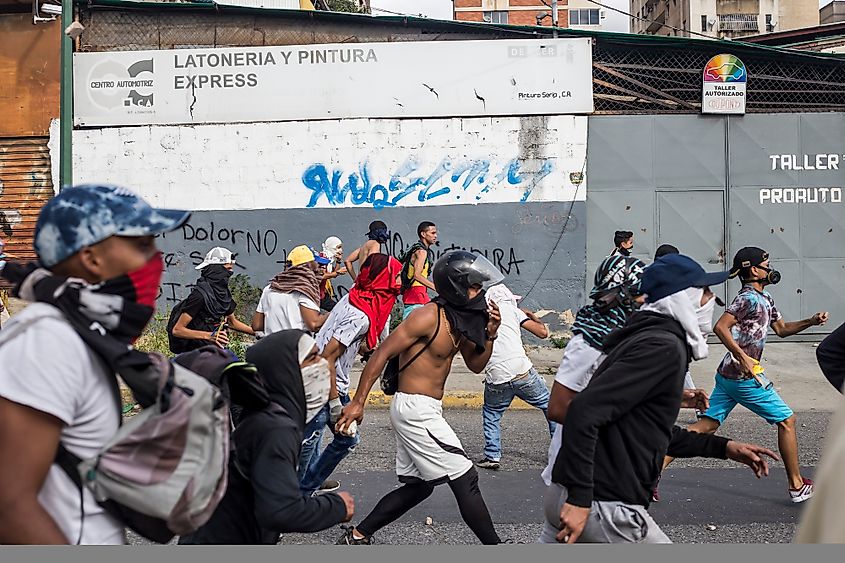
(791, 366)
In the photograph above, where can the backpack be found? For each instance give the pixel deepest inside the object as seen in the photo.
(165, 470)
(406, 259)
(176, 345)
(390, 377)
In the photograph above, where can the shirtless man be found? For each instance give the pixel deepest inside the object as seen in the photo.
(428, 452)
(377, 236)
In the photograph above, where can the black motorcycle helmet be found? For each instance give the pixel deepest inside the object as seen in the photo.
(456, 271)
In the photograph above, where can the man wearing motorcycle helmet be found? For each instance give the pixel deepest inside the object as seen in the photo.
(428, 451)
(615, 295)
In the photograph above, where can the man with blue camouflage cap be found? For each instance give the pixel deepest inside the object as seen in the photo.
(54, 388)
(623, 422)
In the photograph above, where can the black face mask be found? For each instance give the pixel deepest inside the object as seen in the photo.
(773, 277)
(625, 251)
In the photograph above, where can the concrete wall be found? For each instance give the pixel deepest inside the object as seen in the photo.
(506, 187)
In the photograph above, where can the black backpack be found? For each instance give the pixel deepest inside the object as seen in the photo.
(177, 345)
(406, 260)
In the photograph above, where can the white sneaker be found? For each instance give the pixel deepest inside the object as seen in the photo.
(802, 493)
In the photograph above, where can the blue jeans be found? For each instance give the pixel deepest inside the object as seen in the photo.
(315, 466)
(498, 397)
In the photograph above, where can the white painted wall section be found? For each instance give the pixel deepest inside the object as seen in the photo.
(378, 163)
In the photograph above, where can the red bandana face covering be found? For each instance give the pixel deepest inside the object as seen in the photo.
(146, 280)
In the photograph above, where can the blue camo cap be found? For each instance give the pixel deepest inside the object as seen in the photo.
(86, 214)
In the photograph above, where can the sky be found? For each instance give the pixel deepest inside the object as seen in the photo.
(442, 9)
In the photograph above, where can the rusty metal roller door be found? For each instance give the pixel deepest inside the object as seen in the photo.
(25, 185)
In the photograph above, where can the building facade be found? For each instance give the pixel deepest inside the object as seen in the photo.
(720, 18)
(833, 12)
(513, 12)
(29, 99)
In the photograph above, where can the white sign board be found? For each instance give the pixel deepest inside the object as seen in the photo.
(377, 80)
(723, 86)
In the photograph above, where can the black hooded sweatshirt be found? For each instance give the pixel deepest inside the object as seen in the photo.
(263, 498)
(619, 428)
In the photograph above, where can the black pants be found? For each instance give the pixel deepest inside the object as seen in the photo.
(831, 357)
(470, 502)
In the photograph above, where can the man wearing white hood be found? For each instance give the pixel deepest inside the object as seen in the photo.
(620, 426)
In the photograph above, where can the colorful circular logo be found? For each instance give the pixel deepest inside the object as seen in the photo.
(725, 68)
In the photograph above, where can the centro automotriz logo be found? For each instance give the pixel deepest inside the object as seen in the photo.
(112, 84)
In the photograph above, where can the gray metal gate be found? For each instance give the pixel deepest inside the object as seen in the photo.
(710, 185)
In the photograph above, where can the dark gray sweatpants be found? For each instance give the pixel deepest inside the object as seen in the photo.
(609, 521)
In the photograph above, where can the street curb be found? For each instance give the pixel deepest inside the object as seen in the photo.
(452, 400)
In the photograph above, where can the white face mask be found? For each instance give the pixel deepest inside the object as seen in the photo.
(316, 382)
(705, 316)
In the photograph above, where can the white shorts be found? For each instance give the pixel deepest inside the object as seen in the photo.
(427, 448)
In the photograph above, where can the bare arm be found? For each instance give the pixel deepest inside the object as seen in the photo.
(418, 264)
(419, 324)
(235, 324)
(28, 442)
(313, 319)
(784, 329)
(534, 325)
(181, 330)
(559, 402)
(477, 361)
(723, 331)
(258, 322)
(350, 260)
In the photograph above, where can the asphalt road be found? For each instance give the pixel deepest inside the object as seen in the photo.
(702, 500)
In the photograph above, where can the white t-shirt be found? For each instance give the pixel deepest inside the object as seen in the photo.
(47, 366)
(508, 358)
(580, 362)
(281, 310)
(348, 325)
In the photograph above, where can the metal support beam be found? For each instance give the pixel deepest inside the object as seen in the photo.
(66, 100)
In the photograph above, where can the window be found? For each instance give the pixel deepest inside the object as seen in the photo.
(704, 23)
(769, 27)
(499, 16)
(588, 16)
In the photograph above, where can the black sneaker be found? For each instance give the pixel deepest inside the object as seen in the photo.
(348, 539)
(488, 464)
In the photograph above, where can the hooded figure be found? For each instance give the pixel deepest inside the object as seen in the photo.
(263, 498)
(618, 428)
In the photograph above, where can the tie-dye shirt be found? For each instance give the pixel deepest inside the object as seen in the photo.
(755, 311)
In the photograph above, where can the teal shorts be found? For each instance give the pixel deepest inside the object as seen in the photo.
(764, 401)
(409, 308)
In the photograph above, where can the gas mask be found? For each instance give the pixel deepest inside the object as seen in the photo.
(772, 276)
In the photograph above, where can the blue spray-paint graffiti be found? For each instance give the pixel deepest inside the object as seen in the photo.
(447, 177)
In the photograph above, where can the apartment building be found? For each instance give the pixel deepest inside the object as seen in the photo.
(577, 14)
(721, 18)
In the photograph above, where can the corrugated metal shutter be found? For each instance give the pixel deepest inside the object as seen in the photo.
(25, 185)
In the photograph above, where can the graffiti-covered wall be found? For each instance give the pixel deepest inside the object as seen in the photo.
(510, 188)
